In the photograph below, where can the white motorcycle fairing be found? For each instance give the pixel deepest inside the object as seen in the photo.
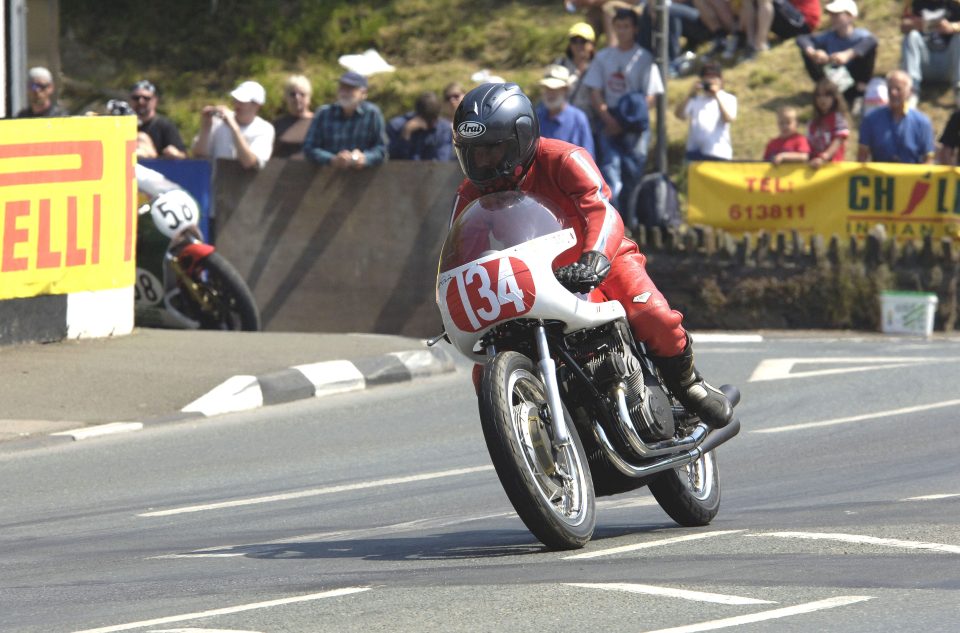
(517, 282)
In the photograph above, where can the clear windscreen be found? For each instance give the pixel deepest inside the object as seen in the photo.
(498, 221)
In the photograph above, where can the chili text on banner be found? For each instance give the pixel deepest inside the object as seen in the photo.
(847, 199)
(67, 205)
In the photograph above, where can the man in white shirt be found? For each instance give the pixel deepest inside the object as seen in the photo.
(238, 134)
(710, 110)
(617, 71)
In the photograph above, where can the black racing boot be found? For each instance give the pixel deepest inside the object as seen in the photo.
(693, 392)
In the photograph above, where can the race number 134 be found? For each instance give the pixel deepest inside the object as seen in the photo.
(495, 290)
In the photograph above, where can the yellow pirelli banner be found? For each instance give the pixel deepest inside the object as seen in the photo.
(67, 205)
(846, 199)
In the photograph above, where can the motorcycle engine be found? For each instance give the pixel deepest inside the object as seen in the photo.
(648, 404)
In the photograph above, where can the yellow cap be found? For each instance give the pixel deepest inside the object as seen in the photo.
(584, 30)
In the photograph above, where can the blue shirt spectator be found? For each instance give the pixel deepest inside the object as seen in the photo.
(570, 124)
(896, 133)
(422, 134)
(350, 132)
(558, 118)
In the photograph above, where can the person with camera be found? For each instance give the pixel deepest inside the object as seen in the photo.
(238, 133)
(710, 110)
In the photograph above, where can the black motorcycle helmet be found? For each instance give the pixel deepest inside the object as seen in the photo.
(495, 136)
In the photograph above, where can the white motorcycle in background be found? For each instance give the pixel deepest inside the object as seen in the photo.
(182, 282)
(571, 406)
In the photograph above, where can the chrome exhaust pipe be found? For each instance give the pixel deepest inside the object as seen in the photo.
(629, 432)
(713, 439)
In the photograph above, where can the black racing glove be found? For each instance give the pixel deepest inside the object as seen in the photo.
(587, 273)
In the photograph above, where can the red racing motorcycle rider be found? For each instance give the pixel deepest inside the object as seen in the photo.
(496, 137)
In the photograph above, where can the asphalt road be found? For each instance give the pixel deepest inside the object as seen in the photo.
(379, 511)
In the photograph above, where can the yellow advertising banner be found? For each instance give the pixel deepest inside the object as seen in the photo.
(846, 199)
(67, 205)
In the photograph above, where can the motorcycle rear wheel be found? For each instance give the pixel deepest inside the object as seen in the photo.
(549, 486)
(231, 305)
(690, 494)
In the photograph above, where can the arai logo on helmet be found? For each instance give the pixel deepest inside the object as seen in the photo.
(471, 129)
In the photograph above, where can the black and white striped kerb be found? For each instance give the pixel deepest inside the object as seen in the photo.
(241, 393)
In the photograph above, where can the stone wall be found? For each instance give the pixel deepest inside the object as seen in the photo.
(790, 281)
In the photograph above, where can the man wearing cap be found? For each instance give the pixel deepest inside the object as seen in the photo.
(844, 54)
(350, 133)
(559, 119)
(40, 90)
(165, 137)
(930, 49)
(238, 134)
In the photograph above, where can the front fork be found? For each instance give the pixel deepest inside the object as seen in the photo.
(548, 373)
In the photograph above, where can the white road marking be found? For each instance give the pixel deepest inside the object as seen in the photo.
(649, 544)
(820, 605)
(932, 497)
(860, 418)
(697, 596)
(228, 610)
(314, 492)
(782, 368)
(87, 432)
(865, 540)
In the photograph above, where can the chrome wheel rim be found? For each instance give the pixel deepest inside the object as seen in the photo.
(699, 477)
(557, 472)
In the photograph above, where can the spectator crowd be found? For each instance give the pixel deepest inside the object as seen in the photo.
(602, 97)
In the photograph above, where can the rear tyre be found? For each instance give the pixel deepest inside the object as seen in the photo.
(690, 494)
(549, 485)
(229, 304)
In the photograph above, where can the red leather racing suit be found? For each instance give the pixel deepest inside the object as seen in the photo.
(568, 176)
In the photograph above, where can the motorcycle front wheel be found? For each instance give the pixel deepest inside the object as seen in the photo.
(690, 494)
(549, 485)
(229, 303)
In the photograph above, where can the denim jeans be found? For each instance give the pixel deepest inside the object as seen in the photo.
(934, 66)
(622, 161)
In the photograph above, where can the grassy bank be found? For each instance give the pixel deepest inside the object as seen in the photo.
(196, 52)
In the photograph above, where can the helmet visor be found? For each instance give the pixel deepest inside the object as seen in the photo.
(489, 161)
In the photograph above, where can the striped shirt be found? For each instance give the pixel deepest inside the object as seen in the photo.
(332, 131)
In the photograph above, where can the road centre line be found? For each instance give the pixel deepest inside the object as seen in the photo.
(670, 592)
(649, 544)
(314, 492)
(228, 610)
(800, 609)
(860, 418)
(864, 540)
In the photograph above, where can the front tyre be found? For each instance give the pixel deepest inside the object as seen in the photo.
(690, 494)
(549, 485)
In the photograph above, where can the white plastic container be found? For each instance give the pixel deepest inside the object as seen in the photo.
(904, 312)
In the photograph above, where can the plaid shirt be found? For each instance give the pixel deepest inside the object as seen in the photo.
(332, 132)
